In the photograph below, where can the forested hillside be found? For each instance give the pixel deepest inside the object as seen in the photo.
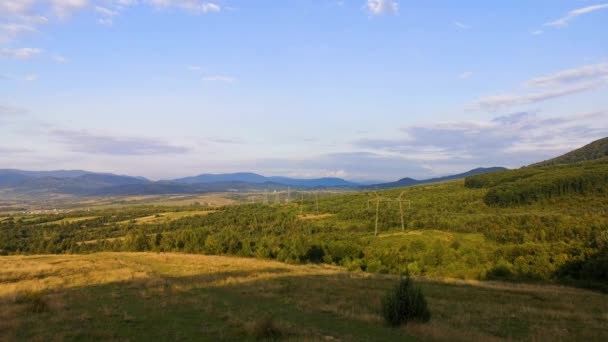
(529, 185)
(595, 150)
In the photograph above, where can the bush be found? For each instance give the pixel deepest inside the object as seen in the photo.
(405, 302)
(265, 328)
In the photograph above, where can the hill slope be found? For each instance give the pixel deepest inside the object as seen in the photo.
(595, 150)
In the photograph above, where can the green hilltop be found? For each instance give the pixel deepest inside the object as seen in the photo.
(595, 150)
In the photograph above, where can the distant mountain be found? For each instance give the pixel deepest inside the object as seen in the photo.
(254, 178)
(595, 150)
(10, 175)
(40, 174)
(83, 183)
(166, 188)
(247, 177)
(410, 181)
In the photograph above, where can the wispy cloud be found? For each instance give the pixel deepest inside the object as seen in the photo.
(19, 16)
(59, 59)
(584, 73)
(193, 6)
(465, 75)
(510, 140)
(30, 78)
(7, 110)
(559, 84)
(107, 15)
(85, 142)
(8, 31)
(105, 11)
(219, 78)
(195, 68)
(22, 53)
(13, 150)
(496, 102)
(64, 8)
(563, 21)
(379, 7)
(461, 25)
(537, 32)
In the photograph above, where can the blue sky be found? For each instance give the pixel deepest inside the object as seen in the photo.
(360, 89)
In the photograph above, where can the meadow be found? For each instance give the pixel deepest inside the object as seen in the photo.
(168, 296)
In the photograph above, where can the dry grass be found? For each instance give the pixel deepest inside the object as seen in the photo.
(315, 217)
(68, 220)
(167, 217)
(124, 295)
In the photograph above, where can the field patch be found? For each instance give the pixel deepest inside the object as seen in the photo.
(166, 217)
(315, 217)
(68, 220)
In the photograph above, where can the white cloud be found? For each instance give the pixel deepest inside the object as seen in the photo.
(64, 8)
(86, 142)
(583, 73)
(537, 32)
(9, 31)
(105, 11)
(508, 100)
(22, 53)
(219, 78)
(461, 25)
(563, 21)
(562, 83)
(512, 140)
(30, 78)
(59, 59)
(379, 7)
(193, 6)
(105, 21)
(7, 110)
(195, 68)
(465, 75)
(19, 16)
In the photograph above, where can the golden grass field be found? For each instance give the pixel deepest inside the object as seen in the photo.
(167, 217)
(148, 296)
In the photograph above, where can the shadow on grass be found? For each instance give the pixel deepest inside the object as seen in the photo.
(333, 306)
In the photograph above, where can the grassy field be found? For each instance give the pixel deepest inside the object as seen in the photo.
(166, 217)
(145, 296)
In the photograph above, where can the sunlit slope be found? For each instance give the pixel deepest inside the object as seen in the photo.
(148, 296)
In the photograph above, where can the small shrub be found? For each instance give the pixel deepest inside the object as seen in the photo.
(403, 303)
(265, 328)
(502, 271)
(34, 300)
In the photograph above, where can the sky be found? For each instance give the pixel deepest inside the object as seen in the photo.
(359, 89)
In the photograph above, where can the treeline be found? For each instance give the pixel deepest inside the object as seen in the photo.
(530, 185)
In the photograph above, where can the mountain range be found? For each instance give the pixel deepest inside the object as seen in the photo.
(84, 183)
(410, 181)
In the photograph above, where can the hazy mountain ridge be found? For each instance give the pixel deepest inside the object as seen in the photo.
(410, 181)
(255, 178)
(84, 183)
